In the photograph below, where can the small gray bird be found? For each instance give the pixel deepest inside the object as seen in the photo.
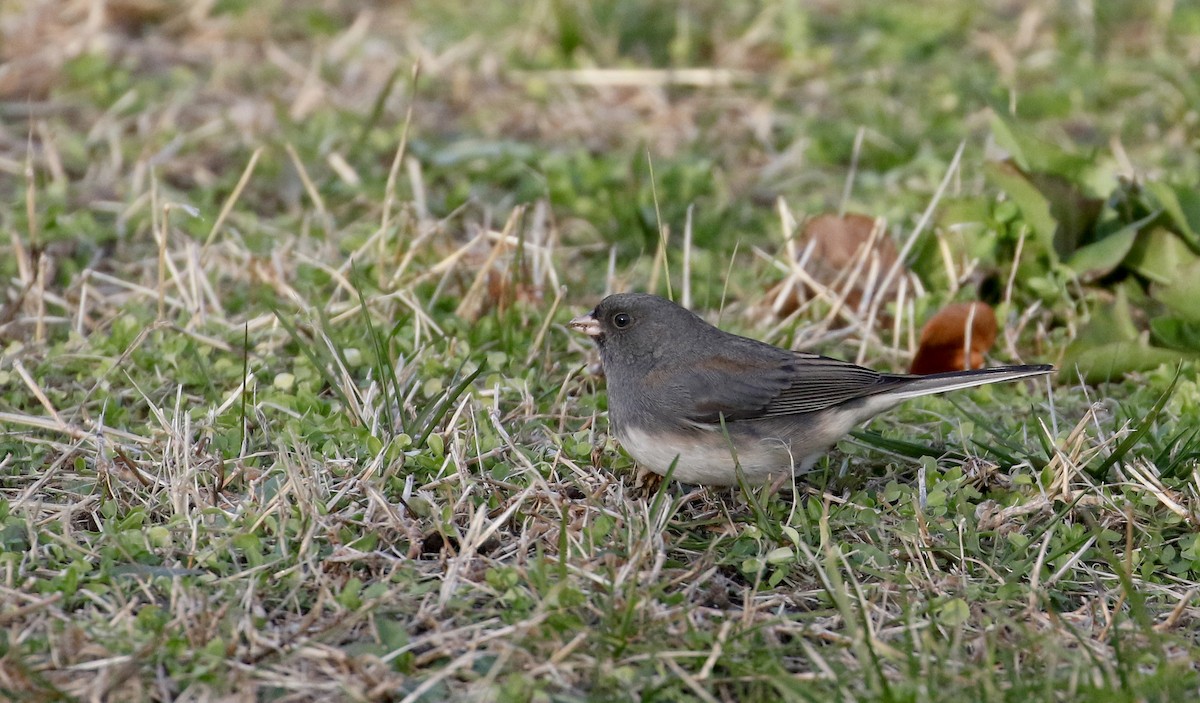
(683, 392)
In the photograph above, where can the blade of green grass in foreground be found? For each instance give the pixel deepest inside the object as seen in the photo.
(1130, 441)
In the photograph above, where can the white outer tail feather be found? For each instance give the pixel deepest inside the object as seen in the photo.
(943, 383)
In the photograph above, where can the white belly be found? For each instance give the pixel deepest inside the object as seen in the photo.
(766, 448)
(702, 460)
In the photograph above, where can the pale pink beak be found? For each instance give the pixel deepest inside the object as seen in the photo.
(586, 324)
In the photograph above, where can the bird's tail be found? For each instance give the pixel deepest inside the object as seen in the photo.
(906, 387)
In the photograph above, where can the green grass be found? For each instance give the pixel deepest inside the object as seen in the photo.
(337, 443)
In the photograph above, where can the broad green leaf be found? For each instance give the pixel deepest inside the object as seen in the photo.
(1111, 361)
(1182, 205)
(1035, 155)
(1035, 208)
(1159, 254)
(1110, 345)
(392, 634)
(781, 555)
(1074, 211)
(954, 612)
(1099, 258)
(351, 593)
(1107, 323)
(1176, 333)
(1182, 295)
(1007, 140)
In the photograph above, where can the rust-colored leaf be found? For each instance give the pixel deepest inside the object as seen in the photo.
(948, 335)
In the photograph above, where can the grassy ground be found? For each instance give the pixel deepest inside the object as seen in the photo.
(289, 409)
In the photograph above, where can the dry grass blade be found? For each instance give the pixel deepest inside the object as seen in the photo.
(907, 246)
(595, 77)
(232, 200)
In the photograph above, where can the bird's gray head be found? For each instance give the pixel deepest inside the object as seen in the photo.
(641, 326)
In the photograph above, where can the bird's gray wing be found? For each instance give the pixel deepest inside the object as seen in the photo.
(742, 386)
(818, 382)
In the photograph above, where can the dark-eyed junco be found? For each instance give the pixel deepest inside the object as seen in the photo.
(683, 392)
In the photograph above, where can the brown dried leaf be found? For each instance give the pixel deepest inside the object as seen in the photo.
(837, 242)
(134, 15)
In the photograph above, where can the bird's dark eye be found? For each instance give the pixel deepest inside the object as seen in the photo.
(622, 320)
